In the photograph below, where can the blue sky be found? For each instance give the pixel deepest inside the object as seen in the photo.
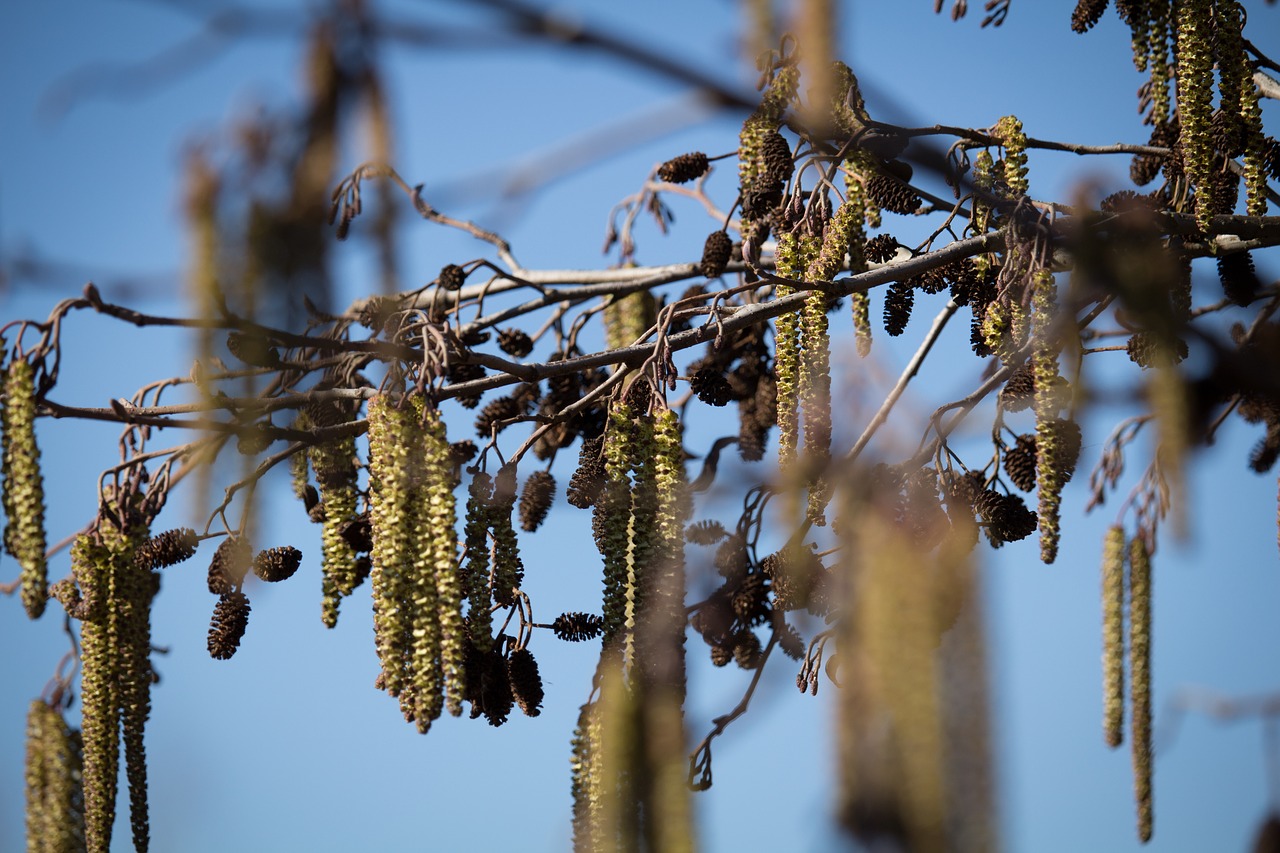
(288, 746)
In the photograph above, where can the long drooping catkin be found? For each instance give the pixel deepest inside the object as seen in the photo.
(1113, 557)
(1140, 676)
(24, 536)
(55, 796)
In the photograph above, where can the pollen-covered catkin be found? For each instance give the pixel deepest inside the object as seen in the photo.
(1044, 365)
(24, 536)
(1113, 560)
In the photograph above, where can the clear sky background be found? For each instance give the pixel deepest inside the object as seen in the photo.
(289, 747)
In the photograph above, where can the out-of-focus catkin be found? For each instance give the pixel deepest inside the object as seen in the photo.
(55, 795)
(1140, 678)
(1113, 560)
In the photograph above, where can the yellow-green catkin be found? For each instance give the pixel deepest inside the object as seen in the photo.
(1014, 140)
(642, 549)
(665, 624)
(334, 464)
(857, 202)
(55, 801)
(1158, 42)
(1195, 99)
(612, 520)
(116, 670)
(627, 318)
(983, 181)
(786, 355)
(99, 691)
(439, 521)
(1113, 558)
(1140, 677)
(1044, 366)
(24, 536)
(1167, 395)
(391, 459)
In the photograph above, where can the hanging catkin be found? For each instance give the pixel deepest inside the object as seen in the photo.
(24, 536)
(1113, 558)
(1140, 676)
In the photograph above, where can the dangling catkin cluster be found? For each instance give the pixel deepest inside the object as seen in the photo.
(55, 794)
(24, 537)
(417, 585)
(1195, 98)
(115, 639)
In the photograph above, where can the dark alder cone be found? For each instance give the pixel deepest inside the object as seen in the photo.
(1264, 453)
(789, 639)
(1006, 516)
(277, 564)
(230, 619)
(880, 248)
(1144, 167)
(167, 549)
(685, 168)
(497, 414)
(495, 690)
(793, 578)
(731, 557)
(1271, 158)
(463, 372)
(1020, 462)
(364, 567)
(535, 500)
(252, 349)
(526, 683)
(474, 338)
(452, 277)
(1144, 350)
(358, 533)
(721, 654)
(750, 600)
(964, 491)
(515, 343)
(1125, 201)
(588, 478)
(1086, 14)
(776, 153)
(760, 199)
(1229, 134)
(711, 386)
(1019, 392)
(705, 532)
(462, 452)
(746, 649)
(898, 303)
(931, 281)
(715, 254)
(576, 627)
(1239, 279)
(890, 195)
(229, 565)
